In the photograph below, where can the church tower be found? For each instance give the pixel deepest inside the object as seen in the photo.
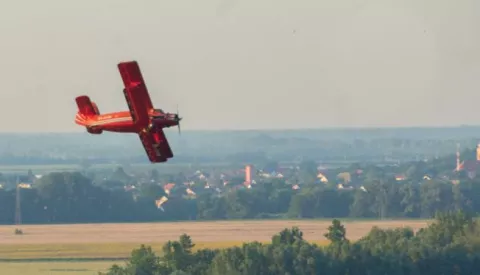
(458, 166)
(478, 152)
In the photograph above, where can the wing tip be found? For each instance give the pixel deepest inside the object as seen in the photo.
(127, 63)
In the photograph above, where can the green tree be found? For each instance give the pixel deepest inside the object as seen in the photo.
(143, 261)
(288, 236)
(336, 232)
(151, 191)
(120, 175)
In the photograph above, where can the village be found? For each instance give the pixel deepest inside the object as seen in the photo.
(189, 183)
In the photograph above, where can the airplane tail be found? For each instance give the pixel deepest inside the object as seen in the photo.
(86, 108)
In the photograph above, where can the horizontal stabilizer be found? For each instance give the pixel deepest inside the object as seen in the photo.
(85, 106)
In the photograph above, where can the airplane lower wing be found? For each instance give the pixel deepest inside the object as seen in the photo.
(136, 92)
(156, 145)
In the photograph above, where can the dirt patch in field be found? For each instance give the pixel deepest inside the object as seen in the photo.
(199, 231)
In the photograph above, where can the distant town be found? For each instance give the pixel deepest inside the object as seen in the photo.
(260, 188)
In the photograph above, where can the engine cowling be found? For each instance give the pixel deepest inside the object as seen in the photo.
(94, 131)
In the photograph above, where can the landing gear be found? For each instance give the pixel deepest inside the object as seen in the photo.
(94, 130)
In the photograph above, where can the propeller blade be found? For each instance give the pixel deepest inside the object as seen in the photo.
(178, 121)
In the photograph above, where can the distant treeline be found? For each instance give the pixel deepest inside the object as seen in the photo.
(73, 198)
(353, 145)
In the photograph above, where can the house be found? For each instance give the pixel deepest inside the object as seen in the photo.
(346, 177)
(160, 202)
(129, 187)
(341, 186)
(168, 188)
(201, 175)
(190, 192)
(322, 178)
(266, 175)
(25, 185)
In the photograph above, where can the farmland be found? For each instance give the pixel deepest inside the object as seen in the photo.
(56, 268)
(89, 248)
(107, 241)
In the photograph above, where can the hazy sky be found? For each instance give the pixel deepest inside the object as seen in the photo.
(233, 64)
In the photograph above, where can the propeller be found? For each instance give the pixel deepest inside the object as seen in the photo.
(178, 119)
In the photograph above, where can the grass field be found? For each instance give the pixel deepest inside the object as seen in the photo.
(77, 251)
(55, 268)
(117, 240)
(111, 242)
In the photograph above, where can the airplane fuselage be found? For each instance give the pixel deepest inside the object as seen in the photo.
(122, 122)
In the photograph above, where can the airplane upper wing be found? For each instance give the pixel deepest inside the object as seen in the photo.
(156, 145)
(136, 93)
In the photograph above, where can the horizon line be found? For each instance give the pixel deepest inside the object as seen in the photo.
(278, 129)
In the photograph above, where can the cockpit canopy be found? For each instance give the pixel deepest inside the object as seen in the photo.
(158, 113)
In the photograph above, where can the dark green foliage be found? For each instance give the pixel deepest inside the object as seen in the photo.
(71, 197)
(288, 236)
(336, 232)
(398, 252)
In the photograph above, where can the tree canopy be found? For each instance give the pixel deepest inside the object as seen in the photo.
(450, 245)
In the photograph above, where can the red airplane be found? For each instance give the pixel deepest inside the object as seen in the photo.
(142, 118)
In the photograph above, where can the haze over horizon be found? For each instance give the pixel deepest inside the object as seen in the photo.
(248, 64)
